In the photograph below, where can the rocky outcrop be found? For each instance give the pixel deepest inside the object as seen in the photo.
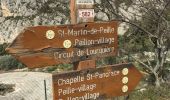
(15, 15)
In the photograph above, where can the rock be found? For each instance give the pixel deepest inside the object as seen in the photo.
(58, 19)
(36, 69)
(98, 1)
(5, 9)
(52, 5)
(102, 16)
(0, 12)
(37, 21)
(19, 14)
(67, 22)
(2, 19)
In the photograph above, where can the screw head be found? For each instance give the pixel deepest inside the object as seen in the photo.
(50, 34)
(67, 44)
(125, 88)
(125, 71)
(125, 80)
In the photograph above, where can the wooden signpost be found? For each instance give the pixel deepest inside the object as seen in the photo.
(99, 83)
(80, 44)
(82, 11)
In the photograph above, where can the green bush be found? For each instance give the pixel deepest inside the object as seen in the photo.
(7, 62)
(63, 67)
(2, 49)
(152, 93)
(51, 69)
(6, 88)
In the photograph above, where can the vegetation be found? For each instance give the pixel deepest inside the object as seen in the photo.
(149, 24)
(7, 62)
(152, 93)
(59, 68)
(2, 49)
(6, 88)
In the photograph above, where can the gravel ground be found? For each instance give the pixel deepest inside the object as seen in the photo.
(28, 85)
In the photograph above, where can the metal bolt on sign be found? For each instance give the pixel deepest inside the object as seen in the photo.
(50, 34)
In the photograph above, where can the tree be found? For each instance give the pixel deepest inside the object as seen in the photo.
(149, 18)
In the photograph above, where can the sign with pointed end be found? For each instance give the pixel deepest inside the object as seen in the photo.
(99, 83)
(48, 45)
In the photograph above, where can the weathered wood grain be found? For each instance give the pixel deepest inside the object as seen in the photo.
(77, 17)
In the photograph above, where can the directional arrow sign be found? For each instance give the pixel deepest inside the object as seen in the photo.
(100, 83)
(48, 45)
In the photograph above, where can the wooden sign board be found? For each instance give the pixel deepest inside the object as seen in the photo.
(100, 83)
(48, 45)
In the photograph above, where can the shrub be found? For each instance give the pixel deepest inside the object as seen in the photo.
(51, 69)
(6, 88)
(2, 49)
(152, 93)
(63, 67)
(7, 62)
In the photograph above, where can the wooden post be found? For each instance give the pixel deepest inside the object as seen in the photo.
(73, 11)
(84, 64)
(75, 19)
